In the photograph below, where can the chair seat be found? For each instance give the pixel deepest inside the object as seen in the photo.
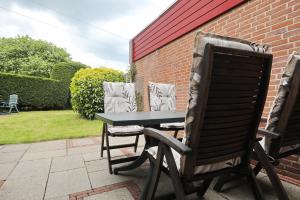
(199, 169)
(265, 143)
(125, 130)
(176, 125)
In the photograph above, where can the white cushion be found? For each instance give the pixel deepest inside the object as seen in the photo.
(125, 129)
(162, 97)
(199, 169)
(173, 125)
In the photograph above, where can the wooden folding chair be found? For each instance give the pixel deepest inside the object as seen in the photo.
(119, 97)
(228, 88)
(162, 97)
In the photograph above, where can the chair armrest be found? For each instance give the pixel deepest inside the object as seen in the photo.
(168, 140)
(268, 133)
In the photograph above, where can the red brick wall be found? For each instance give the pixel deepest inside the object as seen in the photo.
(273, 22)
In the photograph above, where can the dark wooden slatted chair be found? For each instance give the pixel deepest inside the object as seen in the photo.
(119, 97)
(228, 88)
(162, 97)
(282, 133)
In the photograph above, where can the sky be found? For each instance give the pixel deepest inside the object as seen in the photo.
(94, 32)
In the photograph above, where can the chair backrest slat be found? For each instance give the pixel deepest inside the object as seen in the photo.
(227, 93)
(13, 99)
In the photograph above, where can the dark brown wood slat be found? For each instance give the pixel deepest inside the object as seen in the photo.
(225, 130)
(221, 143)
(226, 125)
(290, 142)
(218, 107)
(235, 87)
(229, 150)
(220, 158)
(237, 80)
(223, 59)
(212, 138)
(229, 113)
(226, 119)
(237, 69)
(232, 94)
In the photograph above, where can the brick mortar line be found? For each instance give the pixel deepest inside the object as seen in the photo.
(47, 179)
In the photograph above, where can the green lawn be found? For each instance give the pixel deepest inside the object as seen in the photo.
(36, 126)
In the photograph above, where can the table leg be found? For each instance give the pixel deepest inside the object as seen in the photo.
(135, 164)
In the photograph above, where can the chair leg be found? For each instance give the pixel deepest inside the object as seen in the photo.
(257, 168)
(175, 133)
(204, 188)
(102, 140)
(255, 187)
(10, 109)
(136, 143)
(276, 183)
(16, 109)
(221, 182)
(154, 175)
(108, 154)
(180, 195)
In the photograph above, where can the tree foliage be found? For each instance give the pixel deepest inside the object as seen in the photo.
(27, 56)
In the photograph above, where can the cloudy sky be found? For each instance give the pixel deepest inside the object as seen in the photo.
(94, 32)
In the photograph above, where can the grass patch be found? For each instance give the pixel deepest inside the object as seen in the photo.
(35, 126)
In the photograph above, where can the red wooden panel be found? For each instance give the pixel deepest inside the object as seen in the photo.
(181, 18)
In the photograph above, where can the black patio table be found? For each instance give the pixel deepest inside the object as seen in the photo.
(146, 119)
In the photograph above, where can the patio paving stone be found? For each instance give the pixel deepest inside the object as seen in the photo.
(91, 156)
(58, 198)
(102, 178)
(67, 182)
(34, 168)
(44, 154)
(7, 157)
(5, 169)
(47, 146)
(119, 194)
(15, 147)
(25, 188)
(66, 163)
(96, 165)
(84, 150)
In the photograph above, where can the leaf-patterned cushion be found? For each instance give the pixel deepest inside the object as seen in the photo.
(279, 101)
(162, 97)
(120, 97)
(202, 39)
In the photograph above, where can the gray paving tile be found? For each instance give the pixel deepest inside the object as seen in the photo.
(24, 189)
(27, 169)
(5, 169)
(15, 147)
(96, 165)
(66, 163)
(101, 178)
(6, 157)
(84, 150)
(91, 156)
(83, 141)
(47, 146)
(67, 182)
(119, 194)
(58, 198)
(44, 154)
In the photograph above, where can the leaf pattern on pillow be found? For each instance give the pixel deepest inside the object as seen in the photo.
(162, 97)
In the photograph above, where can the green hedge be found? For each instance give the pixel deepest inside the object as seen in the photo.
(87, 90)
(34, 92)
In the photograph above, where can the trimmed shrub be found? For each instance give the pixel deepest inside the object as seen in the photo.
(34, 93)
(64, 72)
(87, 94)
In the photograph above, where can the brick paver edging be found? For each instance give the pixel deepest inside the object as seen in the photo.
(129, 185)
